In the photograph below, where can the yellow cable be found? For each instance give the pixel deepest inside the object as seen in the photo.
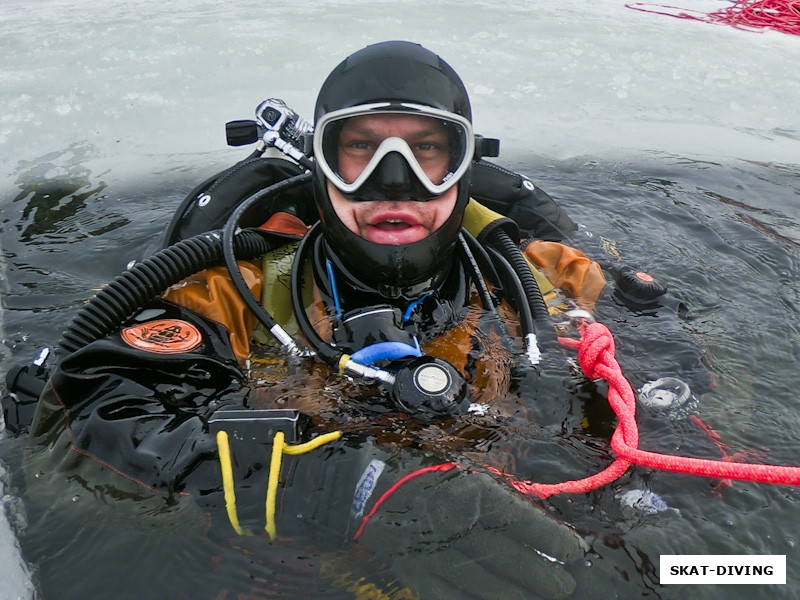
(313, 444)
(272, 486)
(227, 481)
(279, 448)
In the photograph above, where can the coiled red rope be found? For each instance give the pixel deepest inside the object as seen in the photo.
(597, 357)
(781, 15)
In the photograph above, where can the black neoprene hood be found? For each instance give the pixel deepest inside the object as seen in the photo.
(396, 72)
(393, 72)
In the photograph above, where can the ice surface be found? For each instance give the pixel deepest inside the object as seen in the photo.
(16, 582)
(139, 80)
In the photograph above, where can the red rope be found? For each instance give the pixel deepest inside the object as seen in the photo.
(596, 355)
(781, 15)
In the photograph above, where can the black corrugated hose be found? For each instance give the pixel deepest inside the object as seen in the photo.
(127, 293)
(509, 249)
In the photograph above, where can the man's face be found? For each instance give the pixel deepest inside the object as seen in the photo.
(396, 221)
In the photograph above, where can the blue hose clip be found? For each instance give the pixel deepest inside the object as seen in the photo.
(385, 351)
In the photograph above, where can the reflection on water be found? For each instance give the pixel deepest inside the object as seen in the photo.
(67, 229)
(53, 191)
(723, 239)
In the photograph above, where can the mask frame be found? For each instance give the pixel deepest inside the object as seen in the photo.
(459, 163)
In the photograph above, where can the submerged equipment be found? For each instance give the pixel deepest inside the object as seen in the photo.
(638, 289)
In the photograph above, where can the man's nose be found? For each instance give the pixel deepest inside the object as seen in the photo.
(393, 177)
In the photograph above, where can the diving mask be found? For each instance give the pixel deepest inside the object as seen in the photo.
(393, 151)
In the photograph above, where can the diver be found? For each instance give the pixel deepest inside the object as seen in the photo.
(392, 258)
(384, 281)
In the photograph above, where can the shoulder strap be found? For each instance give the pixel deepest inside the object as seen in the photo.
(517, 197)
(208, 206)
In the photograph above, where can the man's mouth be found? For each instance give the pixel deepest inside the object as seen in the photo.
(392, 225)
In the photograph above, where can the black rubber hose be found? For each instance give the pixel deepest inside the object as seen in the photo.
(508, 248)
(324, 350)
(127, 293)
(514, 286)
(477, 276)
(485, 262)
(229, 236)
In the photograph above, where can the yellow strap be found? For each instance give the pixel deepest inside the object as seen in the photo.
(227, 481)
(279, 448)
(313, 444)
(477, 217)
(272, 486)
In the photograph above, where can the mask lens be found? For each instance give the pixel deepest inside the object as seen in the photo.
(436, 148)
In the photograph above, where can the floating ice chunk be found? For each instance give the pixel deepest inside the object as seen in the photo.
(643, 501)
(667, 392)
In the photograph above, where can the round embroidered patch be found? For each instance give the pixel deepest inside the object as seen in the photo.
(165, 336)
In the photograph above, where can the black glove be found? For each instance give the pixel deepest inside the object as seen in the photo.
(443, 531)
(464, 535)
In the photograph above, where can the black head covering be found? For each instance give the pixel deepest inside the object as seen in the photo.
(393, 71)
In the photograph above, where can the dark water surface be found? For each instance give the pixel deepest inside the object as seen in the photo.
(725, 238)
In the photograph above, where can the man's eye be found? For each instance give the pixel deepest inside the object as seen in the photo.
(430, 148)
(358, 145)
